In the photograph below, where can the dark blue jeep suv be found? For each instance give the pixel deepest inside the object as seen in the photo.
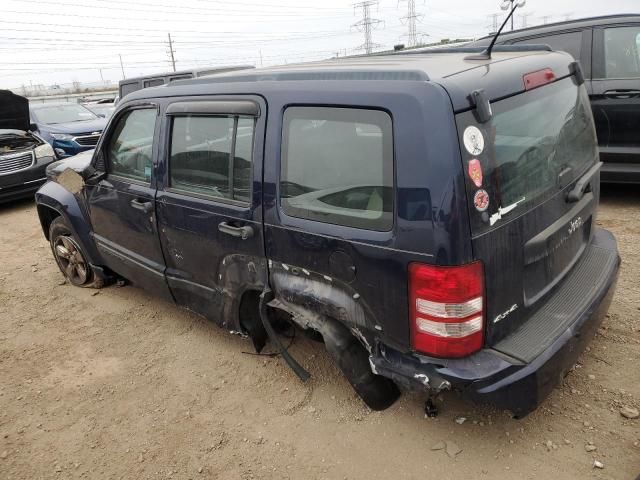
(429, 216)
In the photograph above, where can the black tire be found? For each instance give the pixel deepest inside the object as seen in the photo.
(378, 392)
(70, 258)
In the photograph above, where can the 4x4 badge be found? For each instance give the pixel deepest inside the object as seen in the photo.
(473, 140)
(475, 172)
(481, 200)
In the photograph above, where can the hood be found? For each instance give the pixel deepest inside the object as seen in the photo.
(77, 163)
(88, 126)
(14, 111)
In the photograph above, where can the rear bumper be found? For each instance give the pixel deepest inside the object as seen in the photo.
(505, 380)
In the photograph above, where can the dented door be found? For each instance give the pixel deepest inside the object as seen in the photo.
(209, 205)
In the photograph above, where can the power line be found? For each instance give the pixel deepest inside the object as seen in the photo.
(411, 18)
(523, 18)
(366, 25)
(494, 22)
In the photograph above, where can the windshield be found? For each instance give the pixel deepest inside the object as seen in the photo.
(52, 114)
(104, 109)
(535, 144)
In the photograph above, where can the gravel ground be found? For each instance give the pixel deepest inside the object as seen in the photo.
(116, 384)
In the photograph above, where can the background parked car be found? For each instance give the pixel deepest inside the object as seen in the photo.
(69, 127)
(101, 109)
(23, 155)
(608, 49)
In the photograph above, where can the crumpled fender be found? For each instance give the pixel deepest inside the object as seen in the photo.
(311, 298)
(72, 207)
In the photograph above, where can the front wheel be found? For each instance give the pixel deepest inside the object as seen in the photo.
(69, 256)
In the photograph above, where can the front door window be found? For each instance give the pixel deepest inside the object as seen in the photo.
(129, 150)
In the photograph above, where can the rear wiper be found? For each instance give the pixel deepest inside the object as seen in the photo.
(578, 190)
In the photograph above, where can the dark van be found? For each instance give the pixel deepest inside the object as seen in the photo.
(429, 216)
(608, 49)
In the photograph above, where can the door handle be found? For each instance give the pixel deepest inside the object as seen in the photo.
(243, 232)
(621, 93)
(145, 206)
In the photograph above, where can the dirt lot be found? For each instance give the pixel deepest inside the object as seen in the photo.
(117, 384)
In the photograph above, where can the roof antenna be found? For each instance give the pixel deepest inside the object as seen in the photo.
(486, 54)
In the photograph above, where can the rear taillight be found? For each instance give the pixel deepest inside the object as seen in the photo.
(447, 309)
(538, 78)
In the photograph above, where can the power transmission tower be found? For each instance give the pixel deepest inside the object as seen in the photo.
(366, 25)
(494, 22)
(171, 52)
(411, 18)
(545, 19)
(523, 18)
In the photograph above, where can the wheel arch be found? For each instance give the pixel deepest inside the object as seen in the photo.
(53, 201)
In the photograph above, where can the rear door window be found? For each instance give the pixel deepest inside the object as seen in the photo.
(622, 52)
(211, 155)
(337, 166)
(129, 150)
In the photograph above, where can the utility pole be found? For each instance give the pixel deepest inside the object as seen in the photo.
(121, 66)
(545, 19)
(171, 52)
(367, 24)
(494, 22)
(411, 18)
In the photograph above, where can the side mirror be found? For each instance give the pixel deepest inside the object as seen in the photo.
(33, 127)
(95, 171)
(92, 176)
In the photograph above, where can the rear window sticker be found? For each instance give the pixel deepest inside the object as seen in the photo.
(504, 210)
(473, 140)
(475, 172)
(481, 200)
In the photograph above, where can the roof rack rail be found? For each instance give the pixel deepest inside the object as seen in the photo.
(498, 48)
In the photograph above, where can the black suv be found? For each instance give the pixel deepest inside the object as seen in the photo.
(430, 217)
(608, 49)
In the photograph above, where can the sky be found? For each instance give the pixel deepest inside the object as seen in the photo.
(45, 42)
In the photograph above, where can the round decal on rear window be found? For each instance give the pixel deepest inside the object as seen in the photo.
(481, 200)
(473, 140)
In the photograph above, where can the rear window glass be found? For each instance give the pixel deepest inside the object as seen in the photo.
(337, 166)
(535, 144)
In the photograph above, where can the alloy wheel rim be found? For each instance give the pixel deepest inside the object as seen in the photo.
(71, 260)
